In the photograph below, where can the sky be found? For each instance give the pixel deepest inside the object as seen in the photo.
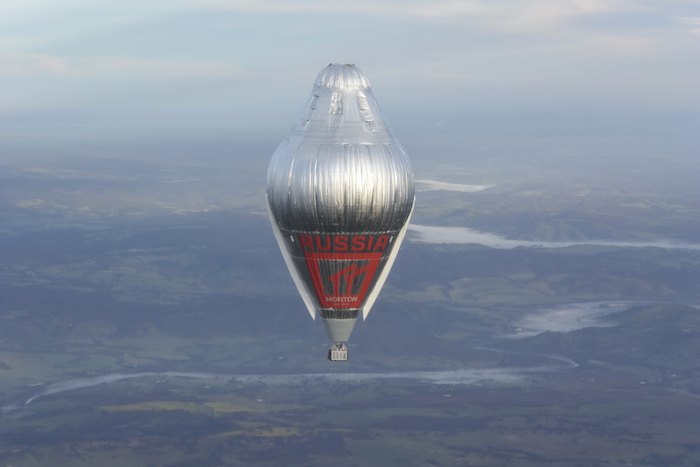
(251, 64)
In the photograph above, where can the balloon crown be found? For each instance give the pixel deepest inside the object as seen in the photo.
(338, 77)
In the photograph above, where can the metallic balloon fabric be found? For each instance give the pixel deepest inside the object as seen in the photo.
(340, 191)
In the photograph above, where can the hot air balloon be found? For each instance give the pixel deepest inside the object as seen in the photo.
(340, 192)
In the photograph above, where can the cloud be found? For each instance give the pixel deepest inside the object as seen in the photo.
(564, 21)
(32, 64)
(515, 16)
(548, 15)
(602, 45)
(609, 44)
(694, 23)
(425, 9)
(27, 64)
(502, 51)
(512, 15)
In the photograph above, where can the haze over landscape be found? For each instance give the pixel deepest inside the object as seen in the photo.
(543, 309)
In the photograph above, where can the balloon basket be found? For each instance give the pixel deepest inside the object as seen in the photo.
(338, 353)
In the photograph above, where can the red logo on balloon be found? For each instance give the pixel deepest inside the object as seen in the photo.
(342, 280)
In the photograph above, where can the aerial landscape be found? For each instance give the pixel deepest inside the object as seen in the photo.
(149, 319)
(544, 308)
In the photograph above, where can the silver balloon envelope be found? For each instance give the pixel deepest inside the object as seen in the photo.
(340, 191)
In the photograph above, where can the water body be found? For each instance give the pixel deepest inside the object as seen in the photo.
(567, 318)
(464, 376)
(434, 185)
(564, 318)
(464, 235)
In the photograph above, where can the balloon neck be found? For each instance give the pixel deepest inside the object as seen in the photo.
(339, 330)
